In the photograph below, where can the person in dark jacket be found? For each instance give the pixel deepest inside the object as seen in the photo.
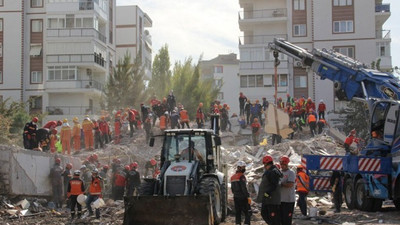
(240, 194)
(67, 177)
(247, 111)
(242, 101)
(171, 102)
(132, 180)
(336, 184)
(74, 189)
(57, 183)
(29, 136)
(269, 193)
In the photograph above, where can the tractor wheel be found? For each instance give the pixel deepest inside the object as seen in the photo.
(147, 187)
(349, 195)
(224, 203)
(363, 202)
(377, 206)
(210, 186)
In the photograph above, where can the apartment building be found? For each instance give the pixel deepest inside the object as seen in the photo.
(224, 70)
(133, 36)
(351, 27)
(57, 54)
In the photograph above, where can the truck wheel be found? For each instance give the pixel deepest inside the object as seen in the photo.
(349, 196)
(224, 202)
(147, 187)
(377, 206)
(210, 186)
(397, 203)
(363, 202)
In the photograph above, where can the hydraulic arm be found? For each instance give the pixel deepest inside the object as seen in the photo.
(351, 77)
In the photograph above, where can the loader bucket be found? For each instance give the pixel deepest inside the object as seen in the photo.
(163, 210)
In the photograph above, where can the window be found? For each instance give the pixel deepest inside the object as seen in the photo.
(300, 81)
(218, 69)
(342, 2)
(268, 80)
(36, 3)
(252, 54)
(243, 81)
(88, 22)
(37, 26)
(220, 96)
(299, 4)
(251, 81)
(299, 30)
(35, 104)
(218, 83)
(36, 50)
(1, 2)
(78, 22)
(1, 24)
(70, 19)
(61, 73)
(259, 81)
(36, 77)
(347, 51)
(383, 49)
(343, 26)
(283, 81)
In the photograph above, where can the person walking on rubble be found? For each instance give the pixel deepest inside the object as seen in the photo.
(117, 128)
(302, 186)
(241, 196)
(74, 189)
(312, 122)
(269, 193)
(184, 117)
(94, 192)
(287, 191)
(255, 129)
(76, 135)
(67, 177)
(120, 183)
(87, 127)
(65, 136)
(200, 116)
(56, 182)
(132, 180)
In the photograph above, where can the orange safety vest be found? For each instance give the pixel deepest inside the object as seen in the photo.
(95, 186)
(184, 116)
(163, 122)
(311, 118)
(76, 130)
(303, 178)
(87, 126)
(76, 187)
(66, 133)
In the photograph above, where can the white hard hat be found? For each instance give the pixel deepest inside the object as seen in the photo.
(240, 164)
(166, 113)
(321, 100)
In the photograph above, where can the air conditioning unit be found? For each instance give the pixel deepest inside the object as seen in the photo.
(89, 72)
(297, 63)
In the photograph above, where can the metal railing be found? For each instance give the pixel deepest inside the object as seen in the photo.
(76, 32)
(84, 84)
(265, 13)
(259, 39)
(382, 8)
(383, 34)
(257, 65)
(71, 110)
(77, 58)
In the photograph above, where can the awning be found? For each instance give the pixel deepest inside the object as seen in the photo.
(36, 50)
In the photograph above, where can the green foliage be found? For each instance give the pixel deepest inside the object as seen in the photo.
(125, 86)
(18, 122)
(161, 73)
(357, 117)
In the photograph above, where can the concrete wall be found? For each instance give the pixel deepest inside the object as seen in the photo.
(26, 172)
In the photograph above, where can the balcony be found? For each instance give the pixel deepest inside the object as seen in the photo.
(383, 35)
(77, 32)
(262, 16)
(382, 13)
(259, 39)
(74, 85)
(77, 58)
(72, 110)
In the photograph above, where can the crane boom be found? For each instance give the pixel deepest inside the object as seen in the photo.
(352, 78)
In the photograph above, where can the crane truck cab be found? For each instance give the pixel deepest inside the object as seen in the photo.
(191, 187)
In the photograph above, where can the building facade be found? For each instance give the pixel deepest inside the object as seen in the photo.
(224, 70)
(57, 54)
(133, 36)
(351, 27)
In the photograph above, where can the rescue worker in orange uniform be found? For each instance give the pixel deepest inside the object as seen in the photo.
(200, 116)
(75, 188)
(87, 127)
(53, 141)
(164, 121)
(94, 192)
(349, 140)
(302, 188)
(312, 122)
(255, 130)
(184, 118)
(117, 128)
(321, 124)
(76, 135)
(65, 136)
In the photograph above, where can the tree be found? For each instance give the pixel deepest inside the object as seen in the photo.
(356, 117)
(161, 73)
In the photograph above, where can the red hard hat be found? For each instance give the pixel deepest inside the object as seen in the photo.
(285, 160)
(58, 160)
(95, 156)
(278, 165)
(353, 131)
(153, 162)
(267, 159)
(127, 167)
(54, 132)
(35, 119)
(134, 165)
(106, 167)
(59, 123)
(69, 166)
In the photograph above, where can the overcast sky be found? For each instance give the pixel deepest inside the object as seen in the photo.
(210, 27)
